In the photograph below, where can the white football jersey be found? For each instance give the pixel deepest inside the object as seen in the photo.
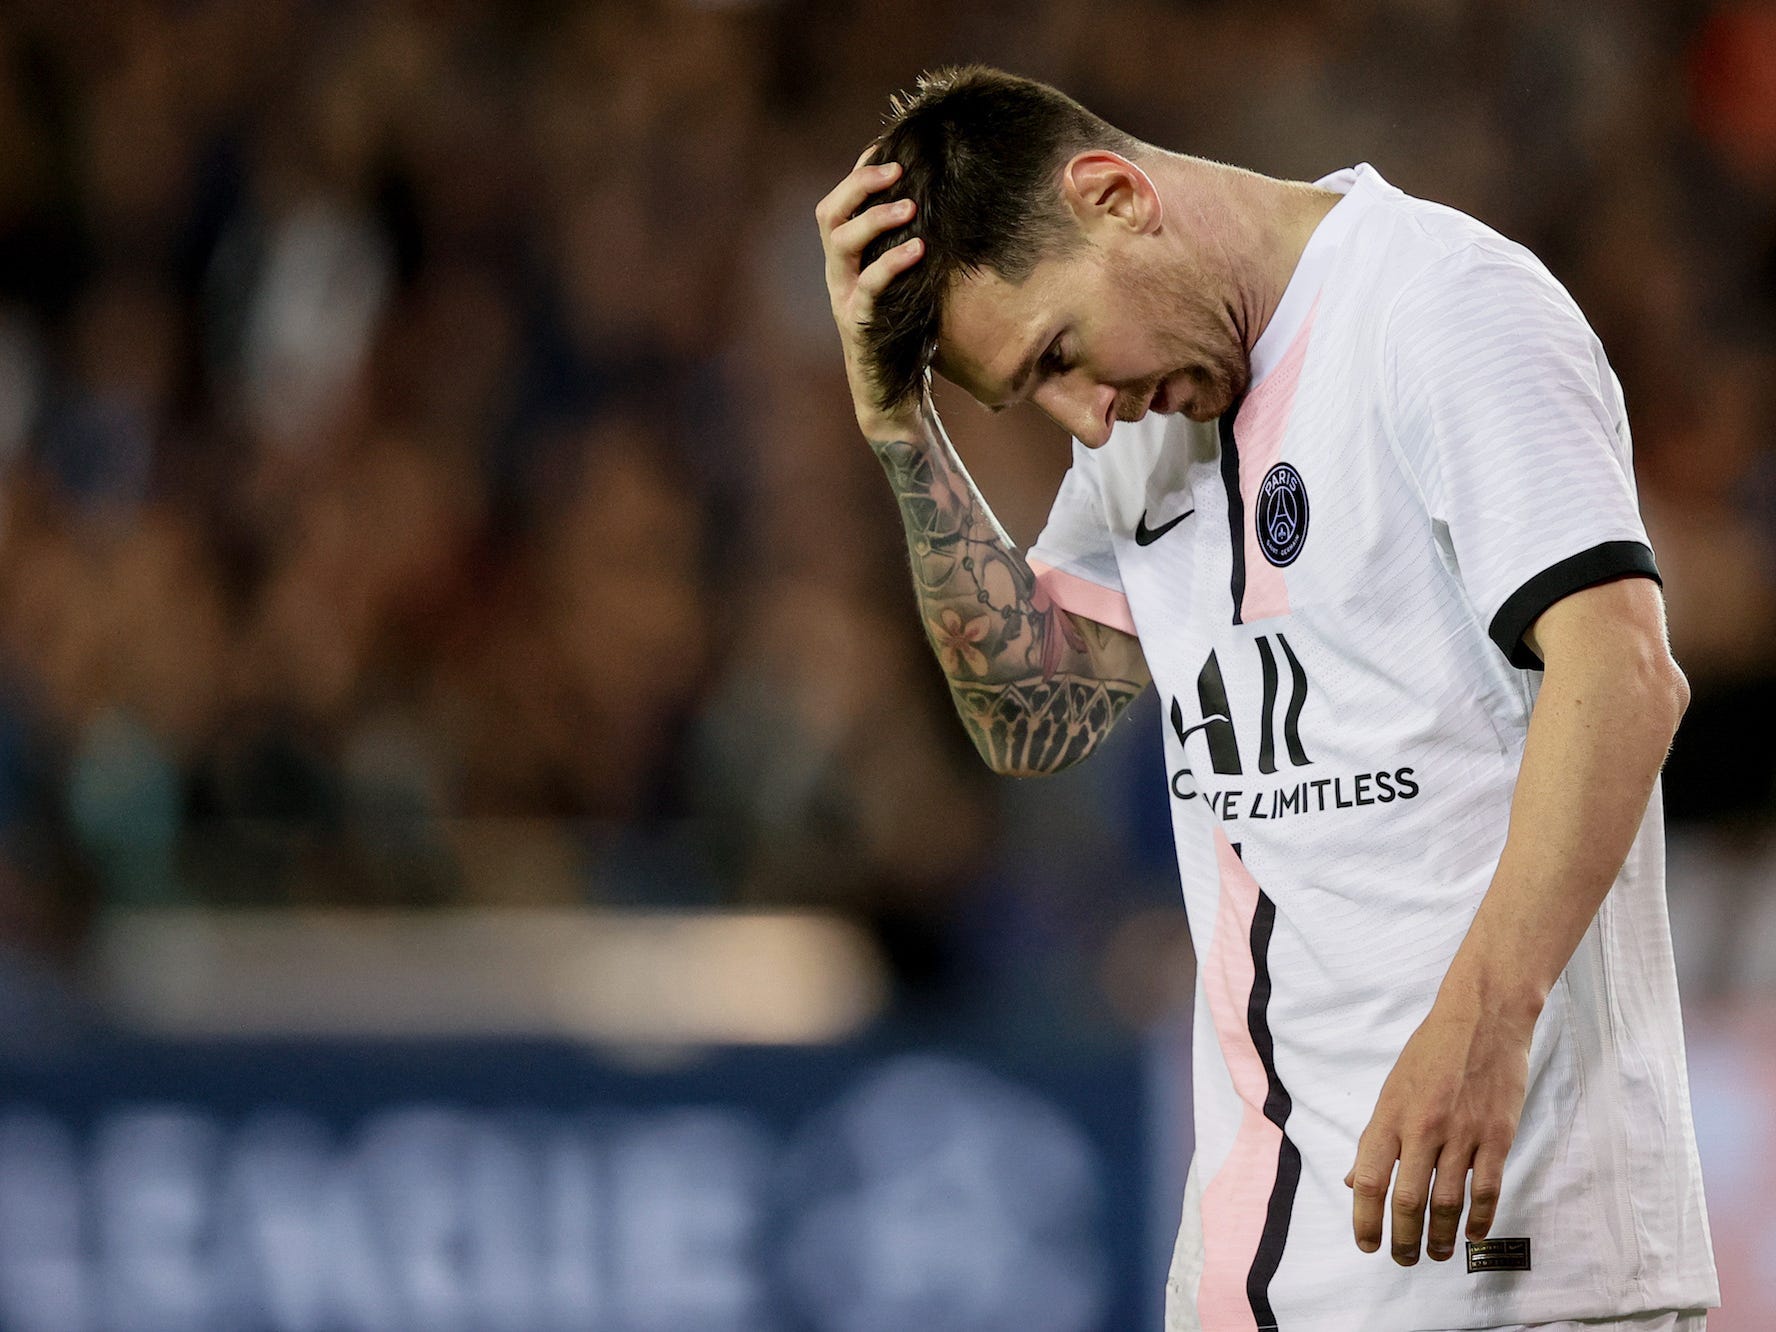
(1331, 586)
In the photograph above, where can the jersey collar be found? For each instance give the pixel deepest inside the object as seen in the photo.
(1354, 183)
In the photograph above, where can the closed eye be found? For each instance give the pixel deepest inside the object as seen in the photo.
(1051, 363)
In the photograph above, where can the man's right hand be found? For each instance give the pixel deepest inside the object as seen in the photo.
(854, 289)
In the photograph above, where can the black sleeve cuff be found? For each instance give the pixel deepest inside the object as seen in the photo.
(1600, 564)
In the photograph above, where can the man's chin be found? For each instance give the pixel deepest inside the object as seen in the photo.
(1206, 402)
(1212, 398)
(1194, 394)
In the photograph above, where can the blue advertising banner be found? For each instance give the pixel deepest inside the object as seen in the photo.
(537, 1187)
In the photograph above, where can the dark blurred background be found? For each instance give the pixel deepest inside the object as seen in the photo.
(434, 541)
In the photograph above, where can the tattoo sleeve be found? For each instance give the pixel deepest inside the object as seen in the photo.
(1036, 688)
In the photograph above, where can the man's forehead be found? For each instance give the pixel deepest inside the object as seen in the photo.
(988, 326)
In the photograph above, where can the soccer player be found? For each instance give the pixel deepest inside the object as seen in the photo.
(1351, 485)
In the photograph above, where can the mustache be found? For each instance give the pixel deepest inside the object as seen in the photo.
(1131, 403)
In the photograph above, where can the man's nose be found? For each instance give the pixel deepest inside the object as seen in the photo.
(1087, 411)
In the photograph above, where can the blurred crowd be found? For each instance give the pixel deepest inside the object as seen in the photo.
(426, 474)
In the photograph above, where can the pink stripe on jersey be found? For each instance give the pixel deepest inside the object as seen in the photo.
(1084, 597)
(1259, 429)
(1236, 1200)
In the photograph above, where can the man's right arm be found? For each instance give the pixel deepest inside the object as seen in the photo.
(1036, 687)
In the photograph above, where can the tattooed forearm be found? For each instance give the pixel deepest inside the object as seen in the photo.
(1042, 725)
(1028, 679)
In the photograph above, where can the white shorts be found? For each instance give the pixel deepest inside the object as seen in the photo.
(1667, 1320)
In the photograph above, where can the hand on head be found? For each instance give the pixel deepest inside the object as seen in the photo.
(847, 230)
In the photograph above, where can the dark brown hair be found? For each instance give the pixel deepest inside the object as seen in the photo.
(981, 153)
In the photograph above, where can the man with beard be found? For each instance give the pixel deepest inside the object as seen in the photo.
(1352, 485)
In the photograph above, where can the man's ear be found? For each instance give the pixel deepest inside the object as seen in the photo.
(1104, 188)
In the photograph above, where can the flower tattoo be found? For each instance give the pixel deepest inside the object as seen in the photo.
(956, 641)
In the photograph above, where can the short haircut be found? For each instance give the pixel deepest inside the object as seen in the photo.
(981, 154)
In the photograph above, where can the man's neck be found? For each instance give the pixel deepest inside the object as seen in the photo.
(1249, 231)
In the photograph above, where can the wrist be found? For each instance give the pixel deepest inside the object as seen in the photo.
(881, 432)
(1496, 993)
(904, 423)
(908, 420)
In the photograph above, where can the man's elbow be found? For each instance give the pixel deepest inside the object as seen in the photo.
(1612, 639)
(1029, 770)
(1005, 765)
(1661, 692)
(1676, 691)
(1026, 758)
(1043, 725)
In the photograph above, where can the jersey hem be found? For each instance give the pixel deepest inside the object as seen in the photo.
(1602, 563)
(1545, 1311)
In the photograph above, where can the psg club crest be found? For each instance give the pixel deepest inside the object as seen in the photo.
(1282, 514)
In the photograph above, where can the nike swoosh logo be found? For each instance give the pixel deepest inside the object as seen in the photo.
(1146, 536)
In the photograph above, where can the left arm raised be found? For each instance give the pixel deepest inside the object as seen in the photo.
(1609, 705)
